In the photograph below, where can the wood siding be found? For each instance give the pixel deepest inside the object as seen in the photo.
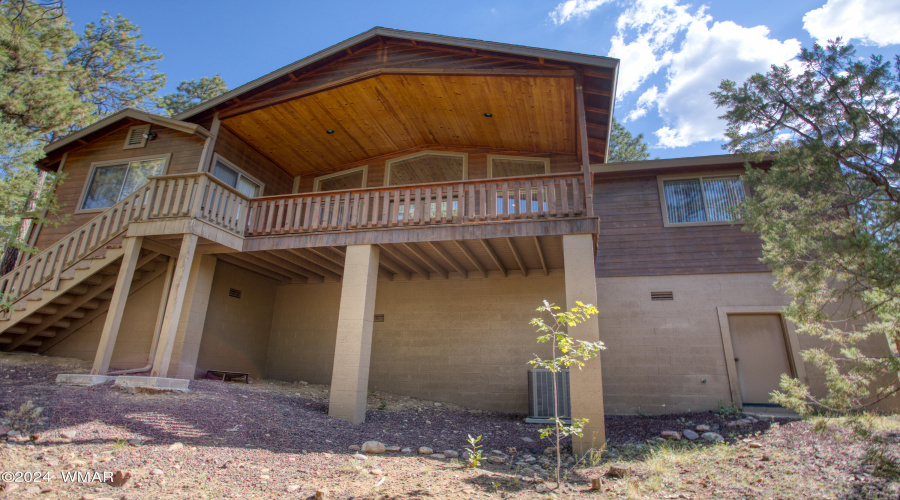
(477, 168)
(184, 148)
(235, 150)
(633, 242)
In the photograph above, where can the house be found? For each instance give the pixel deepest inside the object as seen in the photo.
(387, 214)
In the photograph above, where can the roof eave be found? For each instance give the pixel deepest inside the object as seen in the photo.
(556, 55)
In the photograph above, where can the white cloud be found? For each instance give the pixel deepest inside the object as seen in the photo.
(874, 22)
(571, 9)
(706, 57)
(646, 101)
(657, 23)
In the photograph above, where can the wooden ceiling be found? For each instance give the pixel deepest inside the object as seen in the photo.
(390, 113)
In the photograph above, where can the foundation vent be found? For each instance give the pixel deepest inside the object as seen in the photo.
(234, 292)
(540, 396)
(662, 296)
(379, 318)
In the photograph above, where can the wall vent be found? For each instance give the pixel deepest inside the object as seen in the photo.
(137, 137)
(662, 296)
(234, 292)
(379, 318)
(540, 396)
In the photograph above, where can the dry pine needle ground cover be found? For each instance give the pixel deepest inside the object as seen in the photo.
(275, 440)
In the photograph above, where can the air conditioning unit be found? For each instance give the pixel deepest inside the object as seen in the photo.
(540, 396)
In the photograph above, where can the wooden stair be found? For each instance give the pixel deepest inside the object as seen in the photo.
(51, 313)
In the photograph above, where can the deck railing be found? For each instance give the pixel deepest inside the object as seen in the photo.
(162, 197)
(534, 197)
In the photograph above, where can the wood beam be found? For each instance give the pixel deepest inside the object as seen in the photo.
(290, 266)
(403, 259)
(315, 264)
(328, 255)
(99, 310)
(584, 153)
(262, 264)
(474, 260)
(490, 251)
(229, 258)
(540, 252)
(449, 258)
(278, 96)
(393, 267)
(517, 255)
(426, 259)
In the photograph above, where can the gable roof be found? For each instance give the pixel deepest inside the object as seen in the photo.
(181, 126)
(518, 50)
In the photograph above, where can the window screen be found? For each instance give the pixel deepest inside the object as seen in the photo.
(702, 199)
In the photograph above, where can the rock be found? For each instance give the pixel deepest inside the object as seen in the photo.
(754, 444)
(550, 450)
(135, 442)
(527, 439)
(715, 428)
(32, 489)
(176, 446)
(702, 428)
(618, 471)
(322, 494)
(406, 450)
(450, 454)
(360, 456)
(292, 488)
(265, 477)
(438, 456)
(596, 484)
(12, 433)
(671, 435)
(497, 460)
(690, 435)
(373, 448)
(712, 436)
(119, 478)
(354, 447)
(737, 423)
(157, 472)
(570, 460)
(88, 496)
(64, 434)
(376, 472)
(541, 488)
(392, 449)
(424, 450)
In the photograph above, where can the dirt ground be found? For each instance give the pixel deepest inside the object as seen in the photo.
(274, 440)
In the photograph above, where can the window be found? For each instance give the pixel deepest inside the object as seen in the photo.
(699, 200)
(228, 173)
(516, 166)
(426, 168)
(112, 181)
(348, 179)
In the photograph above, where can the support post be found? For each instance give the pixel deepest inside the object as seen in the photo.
(584, 146)
(174, 307)
(196, 301)
(117, 306)
(353, 347)
(586, 385)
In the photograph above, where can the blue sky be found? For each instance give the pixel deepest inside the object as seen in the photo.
(673, 53)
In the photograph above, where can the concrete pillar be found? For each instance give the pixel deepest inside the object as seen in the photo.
(174, 307)
(117, 306)
(586, 384)
(353, 347)
(190, 328)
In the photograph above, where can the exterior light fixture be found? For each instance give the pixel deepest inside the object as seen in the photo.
(329, 131)
(488, 115)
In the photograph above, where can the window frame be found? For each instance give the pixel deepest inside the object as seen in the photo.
(491, 158)
(660, 179)
(90, 177)
(365, 178)
(230, 164)
(389, 163)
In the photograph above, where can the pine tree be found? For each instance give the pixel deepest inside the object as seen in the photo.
(625, 147)
(191, 93)
(828, 210)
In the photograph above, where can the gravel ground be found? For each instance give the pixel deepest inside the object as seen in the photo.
(274, 440)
